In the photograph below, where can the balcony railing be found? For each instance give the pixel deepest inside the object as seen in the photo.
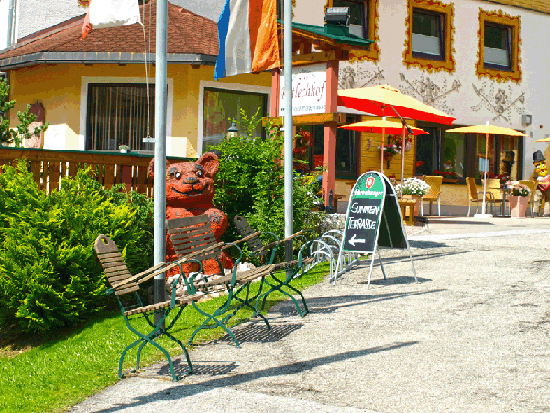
(110, 168)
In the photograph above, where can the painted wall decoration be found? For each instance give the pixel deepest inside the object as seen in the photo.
(512, 22)
(353, 76)
(429, 92)
(499, 102)
(445, 10)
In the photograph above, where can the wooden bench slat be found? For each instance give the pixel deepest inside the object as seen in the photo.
(129, 289)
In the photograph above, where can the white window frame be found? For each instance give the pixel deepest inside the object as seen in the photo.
(86, 80)
(225, 86)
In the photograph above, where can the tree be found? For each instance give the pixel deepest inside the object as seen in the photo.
(15, 135)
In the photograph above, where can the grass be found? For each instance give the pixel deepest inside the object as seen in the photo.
(62, 372)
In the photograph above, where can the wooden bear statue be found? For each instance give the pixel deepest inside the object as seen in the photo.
(189, 192)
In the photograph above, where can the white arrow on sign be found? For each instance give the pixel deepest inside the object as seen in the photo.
(354, 240)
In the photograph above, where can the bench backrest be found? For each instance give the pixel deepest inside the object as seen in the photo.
(190, 235)
(244, 228)
(113, 264)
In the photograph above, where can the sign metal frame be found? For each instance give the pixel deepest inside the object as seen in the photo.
(393, 208)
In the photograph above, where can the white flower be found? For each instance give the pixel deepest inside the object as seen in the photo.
(413, 186)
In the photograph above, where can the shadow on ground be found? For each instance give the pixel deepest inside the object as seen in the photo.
(330, 304)
(178, 392)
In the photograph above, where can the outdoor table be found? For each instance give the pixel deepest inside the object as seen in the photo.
(404, 204)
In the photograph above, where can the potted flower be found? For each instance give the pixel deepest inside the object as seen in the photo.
(519, 199)
(413, 188)
(389, 151)
(123, 148)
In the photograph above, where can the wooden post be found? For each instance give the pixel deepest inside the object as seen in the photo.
(275, 92)
(329, 175)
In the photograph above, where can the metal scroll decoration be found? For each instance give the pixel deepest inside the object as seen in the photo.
(499, 102)
(430, 92)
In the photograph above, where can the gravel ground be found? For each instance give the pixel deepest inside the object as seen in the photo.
(473, 335)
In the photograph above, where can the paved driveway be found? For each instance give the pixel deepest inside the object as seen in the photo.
(472, 336)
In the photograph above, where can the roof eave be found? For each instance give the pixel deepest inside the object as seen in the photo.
(121, 58)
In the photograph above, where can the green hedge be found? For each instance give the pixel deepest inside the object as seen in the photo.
(49, 272)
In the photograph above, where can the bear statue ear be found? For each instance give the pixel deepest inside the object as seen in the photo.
(151, 168)
(209, 161)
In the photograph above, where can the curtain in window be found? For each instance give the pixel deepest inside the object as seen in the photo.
(220, 105)
(118, 115)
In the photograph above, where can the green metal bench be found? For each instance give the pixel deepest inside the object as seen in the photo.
(126, 288)
(292, 269)
(194, 236)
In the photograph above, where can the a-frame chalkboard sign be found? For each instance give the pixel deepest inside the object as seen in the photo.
(373, 220)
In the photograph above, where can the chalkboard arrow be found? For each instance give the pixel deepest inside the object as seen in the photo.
(354, 240)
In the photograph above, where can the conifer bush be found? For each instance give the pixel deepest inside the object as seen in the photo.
(49, 272)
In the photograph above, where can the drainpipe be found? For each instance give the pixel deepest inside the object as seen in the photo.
(11, 22)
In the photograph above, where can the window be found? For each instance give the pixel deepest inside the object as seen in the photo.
(430, 31)
(220, 105)
(358, 12)
(428, 151)
(118, 114)
(346, 149)
(442, 153)
(363, 23)
(498, 52)
(428, 35)
(453, 154)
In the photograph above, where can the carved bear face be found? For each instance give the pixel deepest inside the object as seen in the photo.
(190, 183)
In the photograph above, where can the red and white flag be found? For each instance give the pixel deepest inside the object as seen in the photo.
(110, 13)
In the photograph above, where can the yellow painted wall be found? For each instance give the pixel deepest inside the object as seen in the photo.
(370, 156)
(58, 88)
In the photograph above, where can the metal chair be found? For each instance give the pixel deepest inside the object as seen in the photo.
(493, 187)
(477, 196)
(433, 194)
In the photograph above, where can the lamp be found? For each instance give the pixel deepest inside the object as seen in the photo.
(337, 21)
(337, 15)
(526, 120)
(232, 131)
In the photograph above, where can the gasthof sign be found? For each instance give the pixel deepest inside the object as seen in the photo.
(309, 93)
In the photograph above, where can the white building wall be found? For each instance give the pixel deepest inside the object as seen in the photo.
(454, 93)
(36, 15)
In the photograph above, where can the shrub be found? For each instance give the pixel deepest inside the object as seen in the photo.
(250, 182)
(16, 135)
(49, 272)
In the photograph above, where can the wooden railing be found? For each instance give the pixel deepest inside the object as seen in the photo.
(48, 167)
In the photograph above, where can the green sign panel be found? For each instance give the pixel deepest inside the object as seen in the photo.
(373, 216)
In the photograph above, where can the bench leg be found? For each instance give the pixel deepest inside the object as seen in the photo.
(246, 302)
(279, 287)
(214, 317)
(150, 338)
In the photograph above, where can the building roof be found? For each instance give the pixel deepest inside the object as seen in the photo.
(320, 33)
(191, 39)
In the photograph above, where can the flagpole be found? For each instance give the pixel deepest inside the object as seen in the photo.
(160, 147)
(288, 127)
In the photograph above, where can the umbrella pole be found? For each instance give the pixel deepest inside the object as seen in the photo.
(485, 171)
(402, 162)
(382, 152)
